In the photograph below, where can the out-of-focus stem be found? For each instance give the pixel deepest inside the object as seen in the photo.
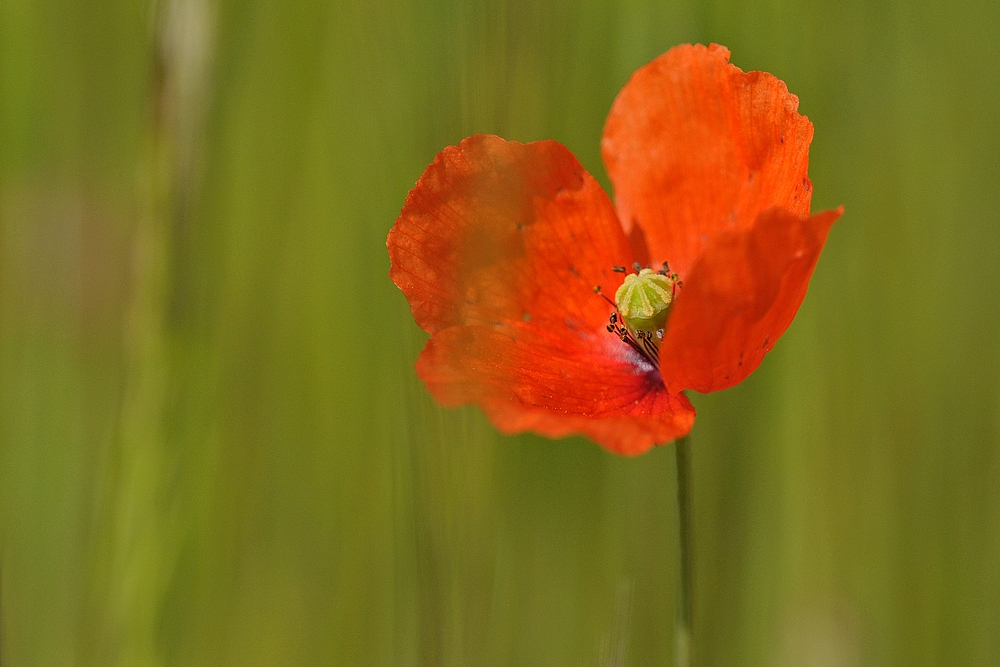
(683, 656)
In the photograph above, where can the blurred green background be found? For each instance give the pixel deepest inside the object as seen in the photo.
(214, 449)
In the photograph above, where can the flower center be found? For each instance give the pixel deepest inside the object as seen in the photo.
(643, 300)
(641, 307)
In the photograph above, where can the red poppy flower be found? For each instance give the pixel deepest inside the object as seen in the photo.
(500, 245)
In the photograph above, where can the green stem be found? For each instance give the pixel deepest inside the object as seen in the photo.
(685, 606)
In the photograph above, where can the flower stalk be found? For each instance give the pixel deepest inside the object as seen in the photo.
(684, 633)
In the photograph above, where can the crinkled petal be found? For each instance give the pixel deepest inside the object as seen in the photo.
(696, 147)
(527, 380)
(739, 298)
(497, 231)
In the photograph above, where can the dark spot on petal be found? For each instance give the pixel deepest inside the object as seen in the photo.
(527, 317)
(782, 140)
(767, 339)
(572, 269)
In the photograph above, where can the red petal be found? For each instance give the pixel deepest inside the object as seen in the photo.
(498, 231)
(696, 147)
(526, 379)
(739, 298)
(498, 249)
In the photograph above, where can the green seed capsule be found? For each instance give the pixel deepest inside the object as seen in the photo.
(643, 301)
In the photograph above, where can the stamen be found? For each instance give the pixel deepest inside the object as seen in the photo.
(643, 333)
(598, 292)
